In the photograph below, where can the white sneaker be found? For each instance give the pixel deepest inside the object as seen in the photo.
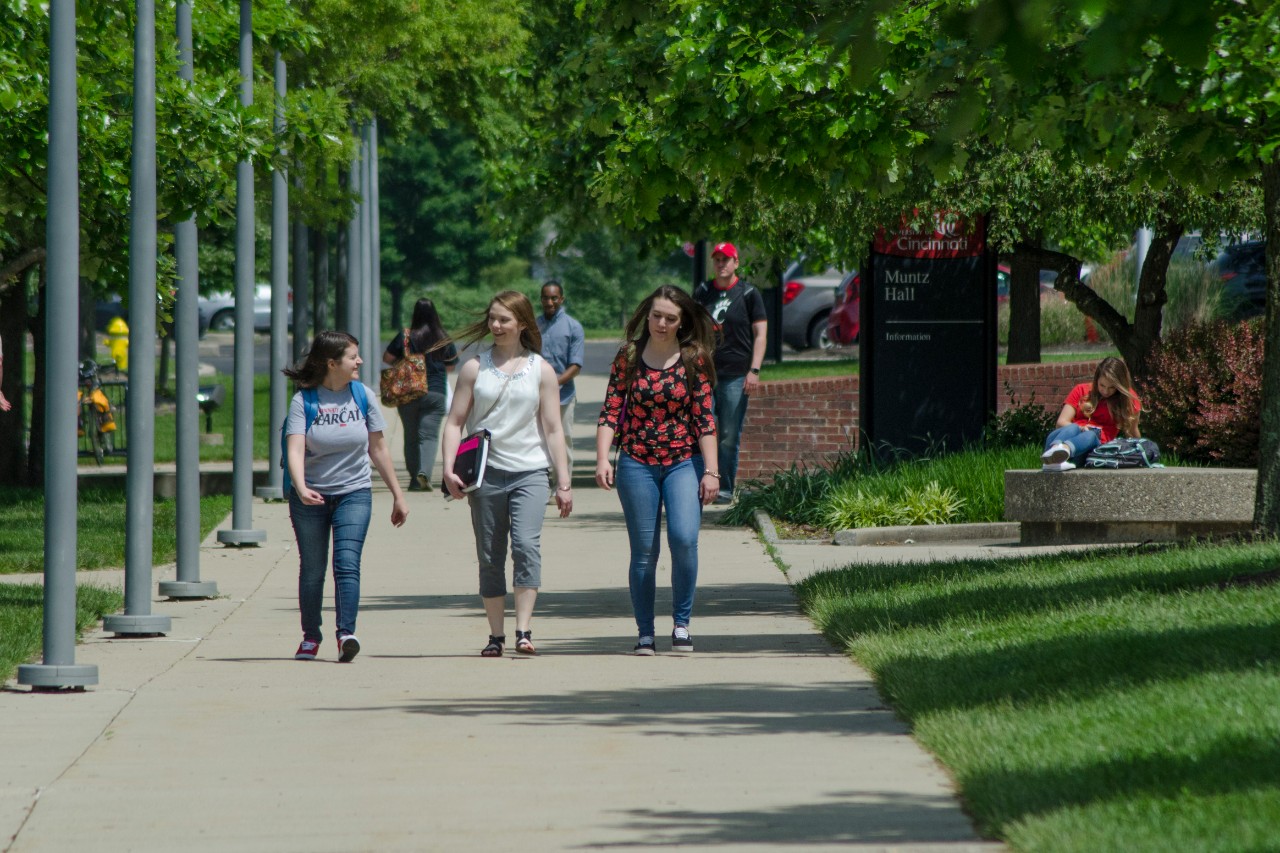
(1057, 466)
(1056, 454)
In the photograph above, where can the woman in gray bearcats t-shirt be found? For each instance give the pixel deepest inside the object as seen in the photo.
(331, 495)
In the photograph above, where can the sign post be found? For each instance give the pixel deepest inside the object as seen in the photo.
(928, 348)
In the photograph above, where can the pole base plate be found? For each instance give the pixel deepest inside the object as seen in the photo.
(152, 625)
(188, 589)
(57, 677)
(242, 537)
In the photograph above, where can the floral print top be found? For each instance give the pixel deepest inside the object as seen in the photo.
(665, 415)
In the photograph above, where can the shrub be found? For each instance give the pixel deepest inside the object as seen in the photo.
(1203, 397)
(1019, 425)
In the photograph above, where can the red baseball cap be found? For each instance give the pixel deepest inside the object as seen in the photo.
(726, 249)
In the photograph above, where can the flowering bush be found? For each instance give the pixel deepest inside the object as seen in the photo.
(1203, 398)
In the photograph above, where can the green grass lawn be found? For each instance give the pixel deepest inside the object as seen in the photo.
(22, 619)
(99, 544)
(99, 529)
(1122, 700)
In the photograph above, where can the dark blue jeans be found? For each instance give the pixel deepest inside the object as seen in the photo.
(644, 490)
(345, 518)
(731, 412)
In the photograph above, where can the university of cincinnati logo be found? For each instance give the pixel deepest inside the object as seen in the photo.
(720, 309)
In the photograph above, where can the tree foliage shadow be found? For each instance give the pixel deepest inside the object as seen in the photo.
(1227, 765)
(1080, 666)
(715, 710)
(878, 597)
(881, 818)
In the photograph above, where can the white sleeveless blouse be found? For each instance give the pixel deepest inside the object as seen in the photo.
(517, 442)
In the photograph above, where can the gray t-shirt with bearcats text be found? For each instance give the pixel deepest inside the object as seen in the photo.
(337, 460)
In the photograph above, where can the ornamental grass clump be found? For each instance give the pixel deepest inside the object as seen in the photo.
(849, 506)
(1202, 399)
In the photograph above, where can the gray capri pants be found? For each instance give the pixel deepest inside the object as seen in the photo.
(510, 503)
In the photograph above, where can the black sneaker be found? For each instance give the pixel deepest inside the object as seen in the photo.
(348, 648)
(680, 640)
(645, 648)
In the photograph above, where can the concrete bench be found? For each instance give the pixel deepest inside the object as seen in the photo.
(1133, 505)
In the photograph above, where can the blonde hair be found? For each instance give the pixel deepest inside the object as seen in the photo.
(519, 306)
(1123, 403)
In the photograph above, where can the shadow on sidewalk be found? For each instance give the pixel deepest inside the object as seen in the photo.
(714, 600)
(710, 710)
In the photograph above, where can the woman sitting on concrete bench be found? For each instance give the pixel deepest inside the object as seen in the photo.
(1093, 413)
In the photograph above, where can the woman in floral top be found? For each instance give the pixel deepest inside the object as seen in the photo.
(660, 399)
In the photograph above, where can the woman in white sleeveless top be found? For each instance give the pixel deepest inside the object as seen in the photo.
(513, 393)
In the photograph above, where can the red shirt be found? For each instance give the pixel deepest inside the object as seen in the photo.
(1101, 417)
(665, 414)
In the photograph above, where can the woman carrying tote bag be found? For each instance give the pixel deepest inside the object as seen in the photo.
(422, 417)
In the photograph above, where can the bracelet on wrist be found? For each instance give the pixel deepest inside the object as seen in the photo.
(711, 474)
(564, 488)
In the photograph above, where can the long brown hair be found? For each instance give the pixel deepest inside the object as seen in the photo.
(696, 335)
(1123, 403)
(425, 328)
(515, 302)
(325, 347)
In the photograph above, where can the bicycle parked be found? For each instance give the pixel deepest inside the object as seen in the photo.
(97, 423)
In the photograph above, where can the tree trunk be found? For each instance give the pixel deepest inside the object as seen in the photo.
(13, 331)
(35, 449)
(1024, 309)
(320, 286)
(1266, 508)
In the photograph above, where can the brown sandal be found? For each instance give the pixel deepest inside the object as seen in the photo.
(524, 643)
(494, 649)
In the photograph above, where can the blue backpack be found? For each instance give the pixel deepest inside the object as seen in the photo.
(311, 408)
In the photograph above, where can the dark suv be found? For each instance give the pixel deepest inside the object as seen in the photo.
(1242, 268)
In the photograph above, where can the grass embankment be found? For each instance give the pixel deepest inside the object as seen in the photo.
(1124, 700)
(99, 544)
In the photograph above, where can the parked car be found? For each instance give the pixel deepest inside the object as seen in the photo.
(218, 310)
(106, 310)
(1242, 269)
(1004, 273)
(844, 322)
(806, 304)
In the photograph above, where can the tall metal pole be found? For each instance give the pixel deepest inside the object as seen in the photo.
(301, 283)
(139, 524)
(375, 264)
(355, 264)
(372, 347)
(274, 489)
(62, 240)
(187, 332)
(241, 532)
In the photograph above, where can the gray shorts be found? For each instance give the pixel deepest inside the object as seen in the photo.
(510, 504)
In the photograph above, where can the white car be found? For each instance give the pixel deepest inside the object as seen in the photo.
(218, 310)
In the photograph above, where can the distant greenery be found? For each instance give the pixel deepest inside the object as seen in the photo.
(1124, 699)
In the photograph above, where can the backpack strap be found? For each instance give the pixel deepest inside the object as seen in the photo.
(360, 396)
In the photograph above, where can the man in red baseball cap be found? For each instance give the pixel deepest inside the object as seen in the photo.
(738, 311)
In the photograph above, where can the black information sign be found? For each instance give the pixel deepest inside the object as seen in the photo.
(928, 348)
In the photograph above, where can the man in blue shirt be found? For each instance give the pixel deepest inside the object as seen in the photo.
(562, 346)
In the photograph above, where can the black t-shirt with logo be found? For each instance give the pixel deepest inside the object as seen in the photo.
(733, 311)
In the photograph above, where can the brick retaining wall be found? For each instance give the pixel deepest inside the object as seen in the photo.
(806, 420)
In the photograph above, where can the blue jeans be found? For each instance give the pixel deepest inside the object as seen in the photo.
(346, 518)
(421, 419)
(644, 490)
(731, 412)
(1079, 440)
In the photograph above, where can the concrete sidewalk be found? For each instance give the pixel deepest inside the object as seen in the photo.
(214, 738)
